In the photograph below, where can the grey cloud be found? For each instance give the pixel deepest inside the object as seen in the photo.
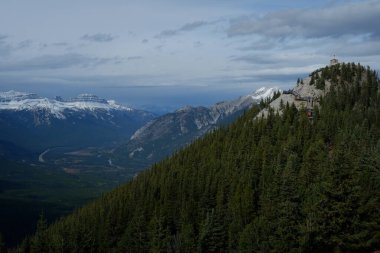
(362, 49)
(166, 33)
(5, 48)
(289, 61)
(60, 44)
(24, 44)
(259, 45)
(289, 78)
(57, 62)
(350, 19)
(193, 25)
(144, 41)
(159, 47)
(43, 46)
(254, 59)
(105, 81)
(98, 37)
(198, 44)
(185, 28)
(55, 44)
(132, 58)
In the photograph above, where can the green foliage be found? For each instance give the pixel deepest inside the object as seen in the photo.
(321, 83)
(312, 80)
(39, 242)
(265, 102)
(275, 184)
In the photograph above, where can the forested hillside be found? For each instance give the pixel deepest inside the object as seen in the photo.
(283, 183)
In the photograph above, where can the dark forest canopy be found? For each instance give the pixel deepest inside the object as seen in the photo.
(283, 183)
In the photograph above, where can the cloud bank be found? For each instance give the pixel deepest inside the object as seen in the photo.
(358, 18)
(51, 62)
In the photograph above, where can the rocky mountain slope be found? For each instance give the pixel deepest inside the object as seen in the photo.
(167, 133)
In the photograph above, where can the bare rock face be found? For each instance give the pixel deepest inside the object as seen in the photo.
(304, 95)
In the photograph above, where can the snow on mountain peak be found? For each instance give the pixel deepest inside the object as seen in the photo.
(16, 96)
(264, 92)
(14, 100)
(262, 89)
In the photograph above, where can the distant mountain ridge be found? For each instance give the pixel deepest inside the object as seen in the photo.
(169, 132)
(35, 122)
(18, 101)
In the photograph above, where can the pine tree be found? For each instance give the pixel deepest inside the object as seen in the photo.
(39, 242)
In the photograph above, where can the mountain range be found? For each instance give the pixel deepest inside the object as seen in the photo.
(37, 123)
(138, 138)
(167, 133)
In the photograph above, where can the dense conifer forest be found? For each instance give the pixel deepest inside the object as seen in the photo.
(283, 183)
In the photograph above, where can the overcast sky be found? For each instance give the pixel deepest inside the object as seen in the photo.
(179, 52)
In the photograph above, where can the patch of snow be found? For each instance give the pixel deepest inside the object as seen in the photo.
(263, 93)
(260, 90)
(142, 130)
(132, 154)
(183, 128)
(184, 109)
(16, 96)
(200, 123)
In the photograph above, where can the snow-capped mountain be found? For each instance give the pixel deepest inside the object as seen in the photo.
(18, 101)
(161, 136)
(35, 122)
(225, 108)
(16, 96)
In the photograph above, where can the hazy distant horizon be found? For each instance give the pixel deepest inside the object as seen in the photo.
(156, 99)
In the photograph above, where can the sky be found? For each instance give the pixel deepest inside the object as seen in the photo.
(168, 54)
